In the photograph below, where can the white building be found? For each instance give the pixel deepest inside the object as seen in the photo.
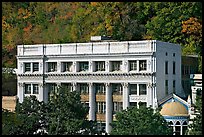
(196, 85)
(110, 75)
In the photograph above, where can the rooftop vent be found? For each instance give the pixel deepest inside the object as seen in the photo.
(100, 38)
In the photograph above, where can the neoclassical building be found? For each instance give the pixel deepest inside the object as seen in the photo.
(110, 75)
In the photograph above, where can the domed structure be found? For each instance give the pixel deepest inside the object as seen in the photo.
(173, 109)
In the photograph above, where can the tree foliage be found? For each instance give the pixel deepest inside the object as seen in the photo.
(63, 114)
(140, 121)
(64, 22)
(196, 127)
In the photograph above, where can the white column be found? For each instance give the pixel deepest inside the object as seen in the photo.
(125, 66)
(149, 94)
(74, 85)
(20, 92)
(92, 102)
(58, 66)
(75, 67)
(109, 108)
(181, 130)
(31, 68)
(107, 69)
(41, 93)
(125, 96)
(174, 130)
(138, 67)
(90, 66)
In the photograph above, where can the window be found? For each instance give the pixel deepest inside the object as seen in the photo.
(174, 67)
(27, 88)
(117, 89)
(83, 88)
(142, 65)
(116, 65)
(117, 106)
(100, 65)
(132, 65)
(52, 88)
(35, 89)
(100, 88)
(166, 87)
(166, 67)
(133, 88)
(142, 89)
(66, 66)
(27, 67)
(133, 104)
(83, 66)
(52, 66)
(174, 85)
(166, 54)
(35, 66)
(174, 54)
(100, 107)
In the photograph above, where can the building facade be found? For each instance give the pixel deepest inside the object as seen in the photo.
(110, 76)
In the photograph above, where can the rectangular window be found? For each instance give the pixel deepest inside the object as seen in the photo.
(27, 67)
(35, 66)
(52, 66)
(174, 67)
(116, 65)
(174, 86)
(35, 89)
(166, 67)
(27, 88)
(100, 65)
(133, 88)
(142, 89)
(100, 107)
(133, 65)
(133, 104)
(83, 66)
(117, 89)
(100, 88)
(117, 106)
(166, 87)
(83, 88)
(52, 88)
(66, 66)
(142, 65)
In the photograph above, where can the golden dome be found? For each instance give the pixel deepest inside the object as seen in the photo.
(173, 109)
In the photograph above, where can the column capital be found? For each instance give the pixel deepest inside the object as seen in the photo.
(125, 84)
(107, 84)
(21, 84)
(41, 84)
(107, 63)
(90, 83)
(125, 62)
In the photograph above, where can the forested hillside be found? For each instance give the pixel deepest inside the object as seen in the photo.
(67, 22)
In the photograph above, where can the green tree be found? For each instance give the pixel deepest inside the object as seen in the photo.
(32, 115)
(9, 122)
(67, 115)
(140, 121)
(196, 127)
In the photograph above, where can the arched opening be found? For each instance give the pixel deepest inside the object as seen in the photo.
(184, 126)
(177, 128)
